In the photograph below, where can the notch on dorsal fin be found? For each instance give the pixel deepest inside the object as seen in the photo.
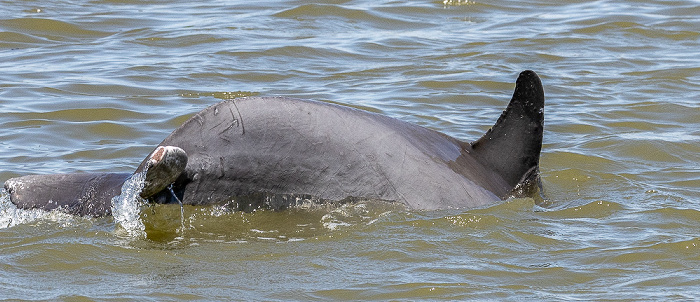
(512, 146)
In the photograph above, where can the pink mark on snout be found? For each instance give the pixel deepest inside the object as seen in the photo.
(158, 154)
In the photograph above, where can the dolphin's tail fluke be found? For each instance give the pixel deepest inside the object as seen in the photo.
(512, 146)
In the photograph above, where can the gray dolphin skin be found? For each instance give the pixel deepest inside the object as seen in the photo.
(270, 151)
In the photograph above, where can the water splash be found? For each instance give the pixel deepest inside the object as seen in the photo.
(126, 208)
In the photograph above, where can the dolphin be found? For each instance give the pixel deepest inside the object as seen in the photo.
(272, 151)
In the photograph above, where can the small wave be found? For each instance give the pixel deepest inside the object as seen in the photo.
(372, 18)
(597, 209)
(53, 29)
(185, 40)
(14, 39)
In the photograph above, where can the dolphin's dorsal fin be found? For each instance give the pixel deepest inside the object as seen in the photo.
(512, 146)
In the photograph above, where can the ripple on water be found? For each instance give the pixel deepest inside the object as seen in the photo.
(14, 40)
(312, 12)
(54, 30)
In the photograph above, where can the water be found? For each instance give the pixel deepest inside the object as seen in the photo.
(95, 85)
(126, 208)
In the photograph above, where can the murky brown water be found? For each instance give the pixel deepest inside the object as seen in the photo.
(95, 85)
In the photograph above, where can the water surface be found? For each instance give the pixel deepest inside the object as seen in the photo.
(93, 86)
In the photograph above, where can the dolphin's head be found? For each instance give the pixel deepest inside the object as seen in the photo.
(163, 166)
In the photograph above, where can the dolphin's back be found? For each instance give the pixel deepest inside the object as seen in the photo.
(297, 147)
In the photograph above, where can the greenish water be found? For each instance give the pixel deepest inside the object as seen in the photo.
(95, 85)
